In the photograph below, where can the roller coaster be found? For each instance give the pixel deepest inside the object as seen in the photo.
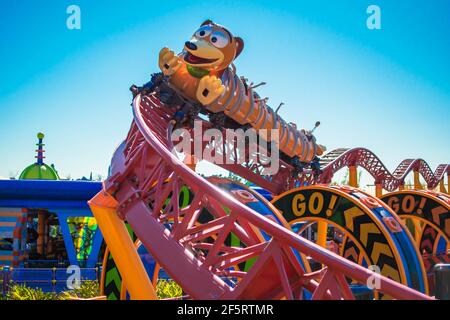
(196, 253)
(220, 239)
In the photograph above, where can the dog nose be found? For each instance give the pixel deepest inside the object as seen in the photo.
(190, 45)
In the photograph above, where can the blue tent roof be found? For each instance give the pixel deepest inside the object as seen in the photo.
(47, 194)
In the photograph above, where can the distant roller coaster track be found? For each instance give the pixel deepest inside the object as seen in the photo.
(337, 159)
(331, 163)
(287, 179)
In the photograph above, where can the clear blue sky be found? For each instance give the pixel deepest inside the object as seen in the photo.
(387, 90)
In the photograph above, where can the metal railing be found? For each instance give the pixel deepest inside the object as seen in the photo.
(47, 279)
(32, 264)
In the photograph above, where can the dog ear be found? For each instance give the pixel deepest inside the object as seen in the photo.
(240, 46)
(206, 22)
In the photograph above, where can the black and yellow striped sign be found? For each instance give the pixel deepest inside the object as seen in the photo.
(432, 210)
(430, 207)
(371, 229)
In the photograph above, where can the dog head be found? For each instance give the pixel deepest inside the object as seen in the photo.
(212, 47)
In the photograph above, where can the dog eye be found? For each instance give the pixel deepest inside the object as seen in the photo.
(219, 39)
(203, 32)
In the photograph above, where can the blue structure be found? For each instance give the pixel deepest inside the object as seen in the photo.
(65, 199)
(266, 194)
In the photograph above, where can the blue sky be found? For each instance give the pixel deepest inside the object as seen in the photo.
(387, 90)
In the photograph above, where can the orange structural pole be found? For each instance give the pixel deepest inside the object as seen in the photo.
(353, 176)
(442, 186)
(417, 184)
(191, 161)
(417, 230)
(322, 229)
(122, 248)
(448, 183)
(378, 190)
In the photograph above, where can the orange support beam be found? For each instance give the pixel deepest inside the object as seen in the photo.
(322, 229)
(191, 161)
(122, 248)
(442, 186)
(418, 230)
(448, 183)
(353, 176)
(378, 190)
(417, 184)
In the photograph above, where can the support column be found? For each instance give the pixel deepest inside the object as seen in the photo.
(417, 229)
(448, 183)
(191, 161)
(417, 184)
(41, 233)
(122, 248)
(353, 176)
(442, 186)
(378, 190)
(322, 228)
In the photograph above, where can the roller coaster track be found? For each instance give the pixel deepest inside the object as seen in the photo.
(286, 178)
(145, 177)
(340, 158)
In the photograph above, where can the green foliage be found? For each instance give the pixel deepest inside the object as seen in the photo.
(166, 289)
(88, 289)
(22, 292)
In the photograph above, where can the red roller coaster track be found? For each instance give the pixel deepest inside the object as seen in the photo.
(332, 162)
(146, 176)
(340, 158)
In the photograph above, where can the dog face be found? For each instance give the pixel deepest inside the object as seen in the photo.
(212, 47)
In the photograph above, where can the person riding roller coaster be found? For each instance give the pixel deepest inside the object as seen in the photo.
(202, 79)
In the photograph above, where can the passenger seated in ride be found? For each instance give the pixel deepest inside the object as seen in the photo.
(180, 116)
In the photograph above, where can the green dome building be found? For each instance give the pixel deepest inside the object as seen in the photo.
(39, 170)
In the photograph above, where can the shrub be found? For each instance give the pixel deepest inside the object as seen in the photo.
(168, 289)
(165, 289)
(88, 289)
(22, 292)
